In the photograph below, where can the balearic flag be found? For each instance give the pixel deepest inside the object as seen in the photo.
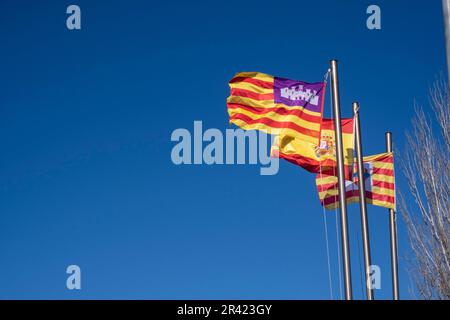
(318, 158)
(379, 184)
(276, 105)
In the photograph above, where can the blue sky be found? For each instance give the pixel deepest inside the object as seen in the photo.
(85, 124)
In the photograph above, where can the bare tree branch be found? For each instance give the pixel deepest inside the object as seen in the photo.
(425, 164)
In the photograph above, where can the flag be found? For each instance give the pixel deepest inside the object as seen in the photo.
(321, 157)
(276, 105)
(379, 181)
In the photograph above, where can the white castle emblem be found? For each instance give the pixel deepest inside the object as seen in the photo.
(297, 93)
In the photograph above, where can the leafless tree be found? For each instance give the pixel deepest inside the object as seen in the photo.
(425, 164)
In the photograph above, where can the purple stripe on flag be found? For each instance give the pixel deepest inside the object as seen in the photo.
(298, 93)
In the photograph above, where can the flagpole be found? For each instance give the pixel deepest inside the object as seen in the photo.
(446, 12)
(362, 202)
(341, 180)
(393, 233)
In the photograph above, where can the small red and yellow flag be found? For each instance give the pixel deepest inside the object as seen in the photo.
(379, 184)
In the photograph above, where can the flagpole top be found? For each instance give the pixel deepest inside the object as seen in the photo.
(333, 63)
(388, 141)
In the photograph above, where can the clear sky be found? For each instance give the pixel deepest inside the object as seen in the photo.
(86, 116)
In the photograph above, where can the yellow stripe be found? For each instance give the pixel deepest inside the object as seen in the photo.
(352, 199)
(382, 165)
(267, 104)
(376, 157)
(270, 130)
(325, 180)
(335, 205)
(347, 140)
(328, 193)
(376, 190)
(383, 191)
(332, 206)
(382, 177)
(251, 102)
(347, 137)
(296, 146)
(256, 75)
(384, 204)
(250, 87)
(277, 117)
(291, 146)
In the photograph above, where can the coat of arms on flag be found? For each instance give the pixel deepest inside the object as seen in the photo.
(320, 157)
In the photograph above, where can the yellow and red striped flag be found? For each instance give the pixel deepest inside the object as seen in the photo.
(318, 157)
(379, 184)
(276, 105)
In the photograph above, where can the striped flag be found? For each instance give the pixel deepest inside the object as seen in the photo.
(318, 157)
(276, 105)
(379, 184)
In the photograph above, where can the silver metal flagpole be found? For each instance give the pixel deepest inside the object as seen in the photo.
(446, 10)
(393, 233)
(362, 201)
(341, 180)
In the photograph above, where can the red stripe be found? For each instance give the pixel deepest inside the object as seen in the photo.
(250, 94)
(386, 172)
(308, 164)
(256, 82)
(327, 186)
(280, 111)
(380, 184)
(384, 158)
(329, 200)
(327, 167)
(346, 124)
(380, 197)
(333, 199)
(355, 193)
(383, 184)
(276, 124)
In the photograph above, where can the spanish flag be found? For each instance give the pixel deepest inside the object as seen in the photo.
(276, 105)
(379, 184)
(318, 158)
